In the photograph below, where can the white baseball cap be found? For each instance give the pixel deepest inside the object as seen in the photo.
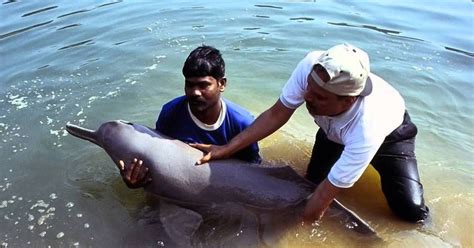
(348, 68)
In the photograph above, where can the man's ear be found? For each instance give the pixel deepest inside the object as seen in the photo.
(350, 100)
(222, 84)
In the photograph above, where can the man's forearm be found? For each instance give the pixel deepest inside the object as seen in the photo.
(267, 123)
(320, 201)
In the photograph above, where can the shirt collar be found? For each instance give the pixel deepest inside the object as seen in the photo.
(214, 126)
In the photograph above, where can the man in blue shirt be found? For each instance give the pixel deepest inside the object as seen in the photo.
(201, 115)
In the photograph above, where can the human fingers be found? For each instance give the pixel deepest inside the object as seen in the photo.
(136, 171)
(142, 175)
(202, 147)
(131, 169)
(204, 159)
(134, 168)
(121, 166)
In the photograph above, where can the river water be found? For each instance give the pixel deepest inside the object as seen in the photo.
(86, 62)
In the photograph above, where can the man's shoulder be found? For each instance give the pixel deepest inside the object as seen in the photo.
(236, 110)
(177, 102)
(177, 106)
(314, 54)
(376, 79)
(383, 91)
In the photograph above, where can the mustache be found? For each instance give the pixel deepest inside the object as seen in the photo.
(196, 100)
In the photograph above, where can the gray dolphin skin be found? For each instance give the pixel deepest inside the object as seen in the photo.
(175, 176)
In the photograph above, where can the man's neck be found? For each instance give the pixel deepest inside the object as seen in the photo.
(347, 108)
(210, 116)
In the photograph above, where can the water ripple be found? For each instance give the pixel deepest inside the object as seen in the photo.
(74, 13)
(268, 6)
(42, 67)
(9, 1)
(3, 36)
(121, 42)
(6, 35)
(88, 62)
(470, 54)
(302, 19)
(107, 4)
(87, 10)
(69, 26)
(39, 11)
(382, 30)
(86, 42)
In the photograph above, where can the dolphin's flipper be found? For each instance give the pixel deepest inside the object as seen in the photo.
(356, 223)
(227, 225)
(273, 226)
(179, 223)
(147, 232)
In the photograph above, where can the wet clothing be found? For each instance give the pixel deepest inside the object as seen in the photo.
(395, 162)
(361, 129)
(347, 143)
(176, 120)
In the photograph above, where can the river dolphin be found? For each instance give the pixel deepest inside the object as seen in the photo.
(175, 176)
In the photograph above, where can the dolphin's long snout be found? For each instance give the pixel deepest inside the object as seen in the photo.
(82, 133)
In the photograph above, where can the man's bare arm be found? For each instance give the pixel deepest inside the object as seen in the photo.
(319, 201)
(267, 123)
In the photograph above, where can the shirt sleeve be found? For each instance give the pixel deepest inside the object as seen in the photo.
(355, 158)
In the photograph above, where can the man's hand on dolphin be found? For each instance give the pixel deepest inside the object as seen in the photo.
(213, 152)
(319, 201)
(135, 175)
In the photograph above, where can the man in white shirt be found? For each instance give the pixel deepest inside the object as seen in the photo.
(362, 120)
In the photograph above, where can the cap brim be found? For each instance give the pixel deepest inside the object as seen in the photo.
(368, 87)
(316, 78)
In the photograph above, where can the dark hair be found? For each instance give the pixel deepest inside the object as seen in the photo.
(204, 61)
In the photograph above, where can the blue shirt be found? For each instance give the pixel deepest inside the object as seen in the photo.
(175, 121)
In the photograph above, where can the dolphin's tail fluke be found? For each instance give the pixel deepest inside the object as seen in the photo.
(82, 133)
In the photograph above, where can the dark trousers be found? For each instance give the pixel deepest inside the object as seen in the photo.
(395, 162)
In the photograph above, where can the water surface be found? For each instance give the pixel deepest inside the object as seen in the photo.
(88, 62)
